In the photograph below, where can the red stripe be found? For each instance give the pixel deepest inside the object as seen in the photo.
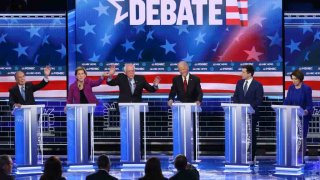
(236, 9)
(52, 85)
(212, 78)
(315, 85)
(233, 22)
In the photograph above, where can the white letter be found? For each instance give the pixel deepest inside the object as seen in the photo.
(185, 6)
(152, 12)
(213, 12)
(168, 16)
(134, 5)
(199, 10)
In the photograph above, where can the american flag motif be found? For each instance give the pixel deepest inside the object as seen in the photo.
(237, 12)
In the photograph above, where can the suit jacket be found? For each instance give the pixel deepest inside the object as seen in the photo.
(4, 176)
(16, 97)
(304, 100)
(74, 92)
(254, 95)
(185, 174)
(100, 175)
(125, 91)
(194, 91)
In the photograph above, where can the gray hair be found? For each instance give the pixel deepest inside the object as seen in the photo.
(4, 160)
(183, 63)
(128, 64)
(15, 74)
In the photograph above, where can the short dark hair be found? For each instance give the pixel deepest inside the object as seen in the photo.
(298, 74)
(103, 161)
(180, 162)
(80, 69)
(4, 160)
(52, 169)
(249, 68)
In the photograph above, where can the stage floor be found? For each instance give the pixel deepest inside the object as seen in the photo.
(209, 168)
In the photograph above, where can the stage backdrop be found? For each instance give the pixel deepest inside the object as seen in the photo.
(302, 41)
(216, 37)
(29, 42)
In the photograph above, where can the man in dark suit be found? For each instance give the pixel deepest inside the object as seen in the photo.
(185, 86)
(22, 92)
(131, 85)
(6, 167)
(185, 170)
(103, 172)
(250, 91)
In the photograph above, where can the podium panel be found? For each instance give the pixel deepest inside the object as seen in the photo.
(238, 134)
(26, 137)
(183, 132)
(289, 127)
(77, 133)
(130, 131)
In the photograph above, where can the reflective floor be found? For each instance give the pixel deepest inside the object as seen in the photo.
(209, 168)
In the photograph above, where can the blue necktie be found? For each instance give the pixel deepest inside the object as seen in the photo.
(23, 94)
(245, 89)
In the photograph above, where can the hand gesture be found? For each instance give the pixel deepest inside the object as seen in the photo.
(156, 81)
(47, 71)
(112, 70)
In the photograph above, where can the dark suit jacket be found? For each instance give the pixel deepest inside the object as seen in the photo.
(125, 92)
(100, 175)
(194, 91)
(254, 95)
(185, 174)
(15, 95)
(4, 176)
(305, 100)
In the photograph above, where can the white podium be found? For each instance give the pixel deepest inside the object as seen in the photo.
(26, 138)
(183, 137)
(130, 131)
(77, 133)
(238, 136)
(289, 139)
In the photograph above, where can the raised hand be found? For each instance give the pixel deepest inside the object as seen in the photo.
(156, 81)
(112, 70)
(47, 71)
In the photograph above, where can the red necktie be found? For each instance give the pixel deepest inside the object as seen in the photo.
(185, 84)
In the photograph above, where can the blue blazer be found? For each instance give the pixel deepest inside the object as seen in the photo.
(254, 95)
(305, 100)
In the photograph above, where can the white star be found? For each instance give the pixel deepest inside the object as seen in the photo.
(62, 51)
(3, 38)
(34, 31)
(253, 54)
(94, 58)
(106, 39)
(102, 9)
(88, 28)
(200, 37)
(21, 50)
(258, 20)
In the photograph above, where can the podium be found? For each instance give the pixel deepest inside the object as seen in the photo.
(183, 137)
(289, 127)
(77, 133)
(238, 136)
(130, 131)
(26, 137)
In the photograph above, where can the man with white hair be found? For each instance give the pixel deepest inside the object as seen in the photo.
(130, 84)
(185, 86)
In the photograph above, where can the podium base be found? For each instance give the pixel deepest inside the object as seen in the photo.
(243, 168)
(81, 168)
(130, 167)
(29, 170)
(291, 171)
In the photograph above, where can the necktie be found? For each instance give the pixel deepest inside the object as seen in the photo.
(245, 89)
(185, 84)
(132, 85)
(23, 94)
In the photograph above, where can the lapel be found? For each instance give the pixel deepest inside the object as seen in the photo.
(17, 89)
(250, 87)
(137, 82)
(181, 84)
(190, 81)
